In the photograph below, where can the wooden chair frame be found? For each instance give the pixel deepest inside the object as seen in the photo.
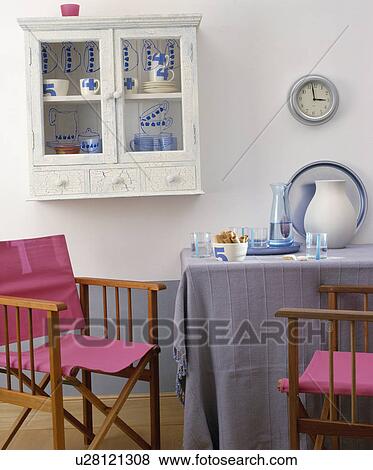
(146, 370)
(329, 423)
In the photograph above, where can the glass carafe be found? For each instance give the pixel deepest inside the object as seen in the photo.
(281, 227)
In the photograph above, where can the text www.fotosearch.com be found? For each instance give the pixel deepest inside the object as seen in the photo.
(215, 460)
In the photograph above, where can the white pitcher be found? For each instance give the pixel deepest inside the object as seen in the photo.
(65, 125)
(332, 212)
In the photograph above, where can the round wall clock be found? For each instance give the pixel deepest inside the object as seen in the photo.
(313, 100)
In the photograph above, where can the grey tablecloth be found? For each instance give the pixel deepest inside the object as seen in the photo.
(231, 400)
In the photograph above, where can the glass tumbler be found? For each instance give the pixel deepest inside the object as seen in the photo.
(258, 237)
(201, 244)
(316, 245)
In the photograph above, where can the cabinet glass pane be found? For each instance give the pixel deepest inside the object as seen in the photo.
(71, 91)
(72, 128)
(151, 80)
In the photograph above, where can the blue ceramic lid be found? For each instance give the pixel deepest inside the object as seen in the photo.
(89, 134)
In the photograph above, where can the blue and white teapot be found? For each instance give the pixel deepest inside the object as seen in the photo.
(90, 141)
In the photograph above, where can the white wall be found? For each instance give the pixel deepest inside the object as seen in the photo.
(250, 51)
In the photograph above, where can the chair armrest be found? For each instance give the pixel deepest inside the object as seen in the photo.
(346, 289)
(47, 305)
(144, 285)
(324, 314)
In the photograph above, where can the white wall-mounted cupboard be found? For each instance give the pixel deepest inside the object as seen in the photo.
(132, 129)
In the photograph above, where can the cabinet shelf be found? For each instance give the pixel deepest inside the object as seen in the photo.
(71, 99)
(154, 96)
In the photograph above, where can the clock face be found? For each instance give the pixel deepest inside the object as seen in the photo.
(314, 99)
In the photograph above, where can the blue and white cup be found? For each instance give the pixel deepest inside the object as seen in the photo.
(131, 85)
(160, 71)
(55, 87)
(89, 86)
(142, 143)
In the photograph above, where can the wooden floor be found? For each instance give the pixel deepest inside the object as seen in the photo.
(36, 432)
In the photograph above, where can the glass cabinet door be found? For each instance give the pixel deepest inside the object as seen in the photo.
(73, 79)
(152, 78)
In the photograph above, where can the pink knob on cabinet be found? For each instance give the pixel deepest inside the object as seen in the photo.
(70, 9)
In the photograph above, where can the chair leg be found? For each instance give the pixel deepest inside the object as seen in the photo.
(293, 421)
(154, 404)
(303, 414)
(87, 406)
(58, 417)
(118, 405)
(319, 442)
(336, 444)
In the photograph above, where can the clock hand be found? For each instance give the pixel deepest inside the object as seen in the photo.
(314, 98)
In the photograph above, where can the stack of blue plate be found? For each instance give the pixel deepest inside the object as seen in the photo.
(153, 143)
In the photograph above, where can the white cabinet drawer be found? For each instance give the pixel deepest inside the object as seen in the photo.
(171, 178)
(114, 180)
(58, 182)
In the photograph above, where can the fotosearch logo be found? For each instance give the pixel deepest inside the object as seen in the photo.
(201, 332)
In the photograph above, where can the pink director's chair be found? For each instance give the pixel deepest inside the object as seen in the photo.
(331, 373)
(38, 269)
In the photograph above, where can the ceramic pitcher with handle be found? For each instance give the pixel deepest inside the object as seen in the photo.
(65, 125)
(331, 211)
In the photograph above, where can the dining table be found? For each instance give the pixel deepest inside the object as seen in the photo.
(231, 350)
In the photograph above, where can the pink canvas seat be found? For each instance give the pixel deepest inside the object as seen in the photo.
(315, 378)
(84, 352)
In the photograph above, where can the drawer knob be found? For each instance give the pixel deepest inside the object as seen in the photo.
(171, 178)
(62, 182)
(118, 180)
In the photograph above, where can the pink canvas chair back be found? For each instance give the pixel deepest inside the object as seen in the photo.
(38, 268)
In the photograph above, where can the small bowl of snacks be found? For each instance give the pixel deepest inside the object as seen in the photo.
(228, 246)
